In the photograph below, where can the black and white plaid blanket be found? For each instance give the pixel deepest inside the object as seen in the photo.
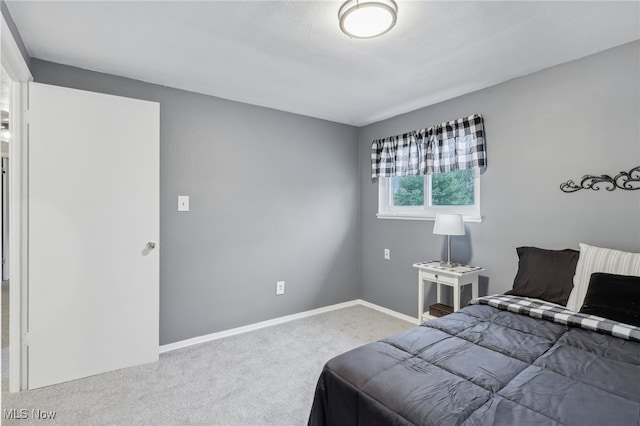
(556, 313)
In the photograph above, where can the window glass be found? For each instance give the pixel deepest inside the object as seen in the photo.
(452, 189)
(408, 191)
(424, 197)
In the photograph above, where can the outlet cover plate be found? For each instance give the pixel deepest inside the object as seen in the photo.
(183, 203)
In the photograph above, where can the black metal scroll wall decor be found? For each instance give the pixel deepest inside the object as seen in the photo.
(629, 181)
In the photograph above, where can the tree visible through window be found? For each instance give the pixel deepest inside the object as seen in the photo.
(447, 189)
(408, 191)
(452, 189)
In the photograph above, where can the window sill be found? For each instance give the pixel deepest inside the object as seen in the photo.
(466, 219)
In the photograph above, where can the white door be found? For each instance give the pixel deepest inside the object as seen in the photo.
(93, 207)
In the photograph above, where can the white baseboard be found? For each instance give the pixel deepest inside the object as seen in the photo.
(387, 311)
(239, 330)
(251, 327)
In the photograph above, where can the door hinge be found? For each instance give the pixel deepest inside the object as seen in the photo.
(25, 339)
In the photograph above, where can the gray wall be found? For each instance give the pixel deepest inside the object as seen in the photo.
(274, 196)
(278, 196)
(541, 130)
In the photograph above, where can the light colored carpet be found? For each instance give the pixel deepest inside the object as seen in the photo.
(264, 377)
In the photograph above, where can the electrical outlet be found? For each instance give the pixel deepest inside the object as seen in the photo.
(279, 288)
(183, 203)
(387, 254)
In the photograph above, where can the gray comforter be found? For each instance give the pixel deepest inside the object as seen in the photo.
(482, 366)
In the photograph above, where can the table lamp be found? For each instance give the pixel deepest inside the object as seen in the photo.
(448, 224)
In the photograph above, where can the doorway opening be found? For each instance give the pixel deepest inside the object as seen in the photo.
(5, 139)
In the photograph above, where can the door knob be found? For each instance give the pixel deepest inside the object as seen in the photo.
(151, 245)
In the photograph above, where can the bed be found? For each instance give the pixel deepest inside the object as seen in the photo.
(505, 359)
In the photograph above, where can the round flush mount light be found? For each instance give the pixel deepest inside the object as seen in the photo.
(367, 18)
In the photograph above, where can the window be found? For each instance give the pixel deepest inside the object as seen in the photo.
(429, 171)
(422, 197)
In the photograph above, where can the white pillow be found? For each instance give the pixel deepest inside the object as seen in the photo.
(595, 259)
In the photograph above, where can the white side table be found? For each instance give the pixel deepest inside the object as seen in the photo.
(455, 277)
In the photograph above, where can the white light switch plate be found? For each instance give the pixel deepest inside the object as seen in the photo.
(183, 203)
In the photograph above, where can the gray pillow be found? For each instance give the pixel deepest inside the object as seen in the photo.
(545, 274)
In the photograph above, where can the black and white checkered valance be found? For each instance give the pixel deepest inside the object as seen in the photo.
(450, 146)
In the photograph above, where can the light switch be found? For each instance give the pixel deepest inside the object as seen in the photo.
(183, 203)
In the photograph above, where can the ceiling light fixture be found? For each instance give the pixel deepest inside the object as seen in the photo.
(367, 18)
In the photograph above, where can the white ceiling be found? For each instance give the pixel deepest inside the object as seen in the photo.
(291, 55)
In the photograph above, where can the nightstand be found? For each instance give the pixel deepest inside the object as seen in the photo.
(455, 277)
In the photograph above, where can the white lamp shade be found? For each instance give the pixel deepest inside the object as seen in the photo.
(449, 224)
